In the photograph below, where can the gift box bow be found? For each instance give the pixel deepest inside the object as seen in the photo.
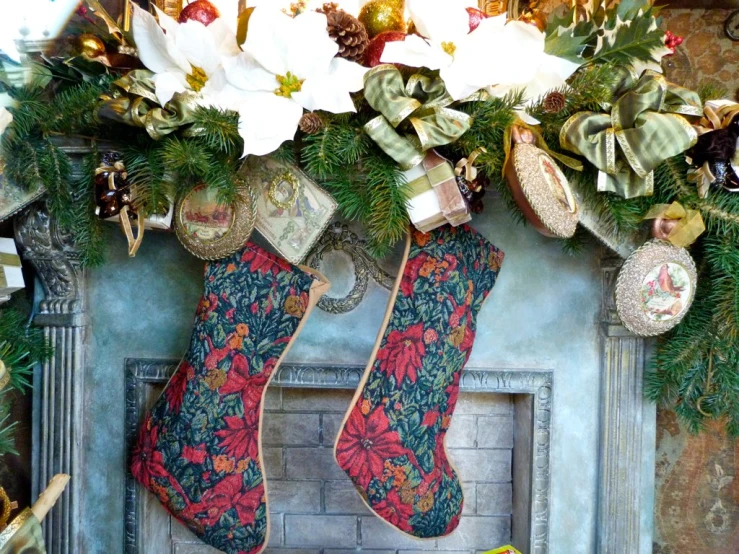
(419, 107)
(644, 128)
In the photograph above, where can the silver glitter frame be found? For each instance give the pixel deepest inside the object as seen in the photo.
(630, 280)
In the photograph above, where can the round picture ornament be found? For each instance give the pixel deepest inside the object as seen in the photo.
(212, 230)
(540, 189)
(655, 288)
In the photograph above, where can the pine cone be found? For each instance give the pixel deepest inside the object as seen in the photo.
(347, 31)
(311, 123)
(555, 102)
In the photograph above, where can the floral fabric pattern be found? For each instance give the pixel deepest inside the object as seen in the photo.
(198, 448)
(392, 443)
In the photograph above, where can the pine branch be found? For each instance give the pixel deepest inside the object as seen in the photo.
(21, 347)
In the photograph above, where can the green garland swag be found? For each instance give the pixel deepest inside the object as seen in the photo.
(695, 366)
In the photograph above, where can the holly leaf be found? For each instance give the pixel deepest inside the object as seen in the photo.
(565, 44)
(638, 42)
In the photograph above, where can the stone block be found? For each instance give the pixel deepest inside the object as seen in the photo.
(296, 400)
(294, 496)
(482, 465)
(342, 498)
(376, 533)
(495, 432)
(462, 432)
(291, 429)
(320, 530)
(470, 498)
(272, 462)
(331, 425)
(494, 499)
(483, 403)
(312, 463)
(291, 551)
(276, 530)
(273, 399)
(479, 532)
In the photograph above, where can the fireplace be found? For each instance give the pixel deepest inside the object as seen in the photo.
(567, 468)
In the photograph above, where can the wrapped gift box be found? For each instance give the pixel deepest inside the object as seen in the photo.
(11, 275)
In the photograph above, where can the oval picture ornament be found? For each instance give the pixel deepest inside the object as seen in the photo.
(655, 288)
(212, 230)
(541, 191)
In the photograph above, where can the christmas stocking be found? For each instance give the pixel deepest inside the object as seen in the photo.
(199, 449)
(392, 440)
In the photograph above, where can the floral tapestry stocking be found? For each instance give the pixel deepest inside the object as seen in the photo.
(392, 440)
(199, 449)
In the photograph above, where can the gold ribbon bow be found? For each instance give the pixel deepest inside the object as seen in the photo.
(717, 114)
(139, 106)
(645, 126)
(465, 166)
(418, 109)
(124, 214)
(688, 224)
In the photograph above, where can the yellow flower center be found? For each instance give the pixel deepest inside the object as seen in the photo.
(196, 79)
(289, 83)
(449, 47)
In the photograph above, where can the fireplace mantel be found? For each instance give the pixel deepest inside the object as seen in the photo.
(548, 311)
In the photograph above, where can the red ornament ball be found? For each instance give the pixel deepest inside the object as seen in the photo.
(200, 10)
(476, 17)
(374, 50)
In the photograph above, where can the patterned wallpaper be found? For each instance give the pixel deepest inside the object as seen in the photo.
(707, 53)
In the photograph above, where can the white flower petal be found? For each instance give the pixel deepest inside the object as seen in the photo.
(440, 20)
(266, 121)
(6, 118)
(199, 46)
(265, 40)
(166, 22)
(415, 52)
(309, 48)
(166, 84)
(156, 50)
(456, 78)
(245, 73)
(225, 39)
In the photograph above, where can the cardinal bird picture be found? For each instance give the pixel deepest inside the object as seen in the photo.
(663, 291)
(665, 281)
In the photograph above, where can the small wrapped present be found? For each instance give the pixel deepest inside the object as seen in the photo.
(11, 276)
(435, 196)
(508, 549)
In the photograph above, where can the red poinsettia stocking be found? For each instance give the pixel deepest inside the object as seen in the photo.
(199, 449)
(392, 440)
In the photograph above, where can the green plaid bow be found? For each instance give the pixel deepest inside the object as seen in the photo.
(645, 136)
(420, 106)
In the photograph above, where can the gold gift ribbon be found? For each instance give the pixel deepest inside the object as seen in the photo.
(689, 223)
(12, 260)
(4, 380)
(714, 119)
(133, 243)
(3, 278)
(466, 165)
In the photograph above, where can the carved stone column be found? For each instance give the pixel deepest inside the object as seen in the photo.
(622, 399)
(59, 389)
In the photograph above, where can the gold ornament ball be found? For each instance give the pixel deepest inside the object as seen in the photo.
(90, 46)
(379, 16)
(536, 18)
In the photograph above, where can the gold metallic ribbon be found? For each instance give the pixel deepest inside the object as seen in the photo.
(23, 535)
(417, 109)
(133, 242)
(716, 117)
(466, 165)
(139, 106)
(644, 127)
(689, 223)
(4, 380)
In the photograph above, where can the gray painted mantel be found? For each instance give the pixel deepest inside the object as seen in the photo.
(548, 311)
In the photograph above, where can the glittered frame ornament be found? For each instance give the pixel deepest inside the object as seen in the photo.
(655, 288)
(210, 229)
(541, 191)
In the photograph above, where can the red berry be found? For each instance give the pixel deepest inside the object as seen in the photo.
(200, 10)
(679, 41)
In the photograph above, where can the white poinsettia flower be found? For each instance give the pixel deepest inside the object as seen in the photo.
(6, 118)
(288, 64)
(183, 56)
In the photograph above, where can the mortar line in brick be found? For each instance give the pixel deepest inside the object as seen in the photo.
(476, 427)
(320, 429)
(359, 531)
(323, 497)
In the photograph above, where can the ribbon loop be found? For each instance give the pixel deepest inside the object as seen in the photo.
(688, 223)
(643, 129)
(415, 117)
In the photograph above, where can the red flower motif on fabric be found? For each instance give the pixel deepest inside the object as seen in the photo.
(194, 454)
(402, 354)
(175, 390)
(229, 493)
(147, 462)
(264, 263)
(410, 274)
(365, 444)
(250, 387)
(240, 438)
(394, 511)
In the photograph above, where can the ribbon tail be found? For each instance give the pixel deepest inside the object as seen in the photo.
(399, 148)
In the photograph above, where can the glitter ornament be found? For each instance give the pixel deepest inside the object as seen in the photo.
(379, 16)
(376, 47)
(200, 10)
(476, 17)
(90, 46)
(536, 18)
